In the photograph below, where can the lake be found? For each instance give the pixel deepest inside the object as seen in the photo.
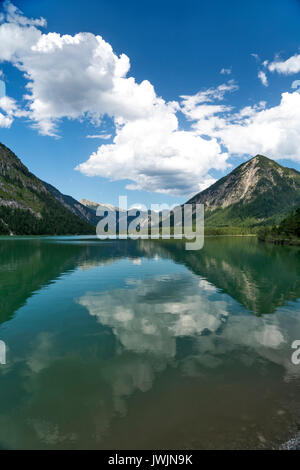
(143, 345)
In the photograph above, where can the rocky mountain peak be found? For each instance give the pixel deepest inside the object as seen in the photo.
(260, 184)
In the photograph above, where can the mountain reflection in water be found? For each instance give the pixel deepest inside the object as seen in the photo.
(124, 344)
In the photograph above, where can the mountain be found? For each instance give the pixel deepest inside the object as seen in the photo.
(94, 205)
(121, 214)
(258, 192)
(110, 211)
(80, 209)
(28, 206)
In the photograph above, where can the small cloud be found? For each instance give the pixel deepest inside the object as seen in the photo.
(226, 71)
(256, 57)
(296, 84)
(263, 78)
(99, 136)
(14, 15)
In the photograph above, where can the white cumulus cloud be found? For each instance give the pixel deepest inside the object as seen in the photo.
(81, 77)
(285, 67)
(156, 156)
(273, 132)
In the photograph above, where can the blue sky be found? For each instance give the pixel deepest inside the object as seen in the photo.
(179, 48)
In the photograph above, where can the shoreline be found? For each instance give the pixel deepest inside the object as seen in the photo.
(281, 241)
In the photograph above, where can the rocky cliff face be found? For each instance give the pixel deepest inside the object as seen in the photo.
(257, 191)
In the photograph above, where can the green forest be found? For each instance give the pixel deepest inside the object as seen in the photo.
(287, 232)
(52, 222)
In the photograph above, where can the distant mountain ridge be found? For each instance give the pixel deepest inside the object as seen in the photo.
(94, 205)
(114, 213)
(257, 192)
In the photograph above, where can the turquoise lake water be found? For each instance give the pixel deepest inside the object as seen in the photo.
(141, 344)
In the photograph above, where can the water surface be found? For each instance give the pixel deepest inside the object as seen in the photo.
(130, 345)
